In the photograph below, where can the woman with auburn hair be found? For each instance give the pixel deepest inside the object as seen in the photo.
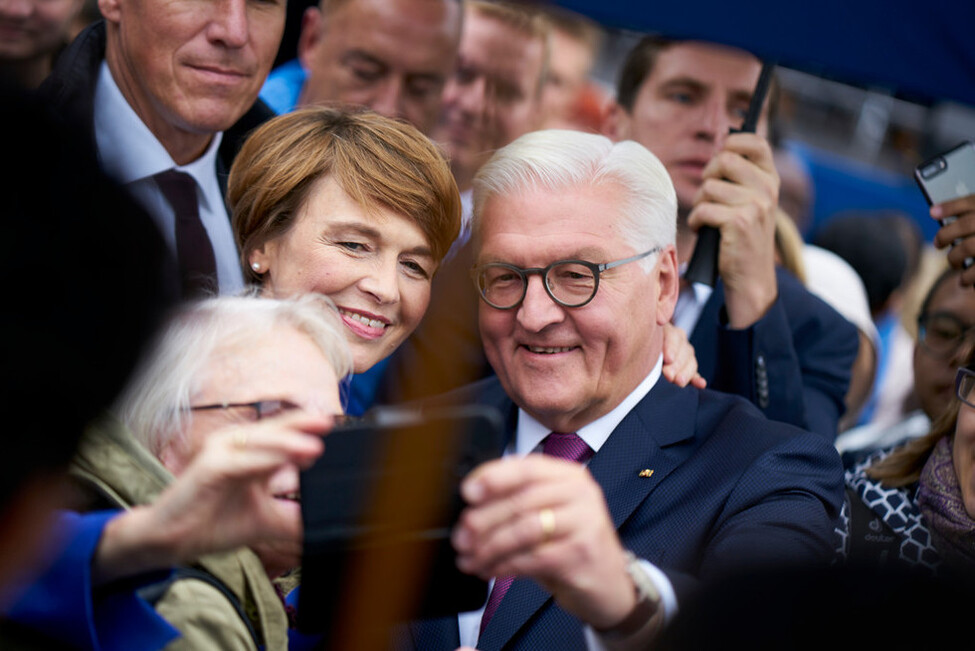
(349, 204)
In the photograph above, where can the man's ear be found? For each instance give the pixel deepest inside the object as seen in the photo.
(668, 285)
(110, 10)
(311, 34)
(616, 123)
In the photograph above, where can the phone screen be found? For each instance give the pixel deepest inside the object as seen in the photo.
(378, 508)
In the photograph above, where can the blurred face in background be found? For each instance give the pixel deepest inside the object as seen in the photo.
(568, 73)
(393, 56)
(34, 28)
(946, 345)
(494, 95)
(695, 93)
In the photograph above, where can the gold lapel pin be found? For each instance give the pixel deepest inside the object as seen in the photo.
(646, 473)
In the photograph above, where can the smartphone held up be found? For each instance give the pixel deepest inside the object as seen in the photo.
(948, 176)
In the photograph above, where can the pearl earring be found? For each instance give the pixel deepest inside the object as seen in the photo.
(256, 266)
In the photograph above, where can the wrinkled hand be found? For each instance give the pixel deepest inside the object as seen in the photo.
(738, 197)
(680, 362)
(581, 562)
(960, 230)
(223, 500)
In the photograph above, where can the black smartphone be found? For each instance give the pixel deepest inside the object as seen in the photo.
(378, 508)
(947, 176)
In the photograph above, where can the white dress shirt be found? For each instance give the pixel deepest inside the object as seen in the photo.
(690, 304)
(529, 434)
(131, 154)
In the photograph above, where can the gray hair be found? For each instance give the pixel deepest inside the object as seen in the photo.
(557, 159)
(155, 404)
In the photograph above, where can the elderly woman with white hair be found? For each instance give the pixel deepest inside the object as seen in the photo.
(203, 452)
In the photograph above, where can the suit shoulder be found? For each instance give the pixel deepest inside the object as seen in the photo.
(723, 416)
(802, 306)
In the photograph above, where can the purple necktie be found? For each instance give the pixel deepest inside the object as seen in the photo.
(557, 444)
(197, 265)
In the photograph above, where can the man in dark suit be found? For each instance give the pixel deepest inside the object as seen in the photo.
(759, 333)
(167, 93)
(656, 487)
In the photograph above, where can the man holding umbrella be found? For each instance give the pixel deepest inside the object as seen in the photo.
(757, 332)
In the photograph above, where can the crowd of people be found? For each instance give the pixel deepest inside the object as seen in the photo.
(271, 251)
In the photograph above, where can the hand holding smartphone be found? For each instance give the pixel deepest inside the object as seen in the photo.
(378, 508)
(948, 176)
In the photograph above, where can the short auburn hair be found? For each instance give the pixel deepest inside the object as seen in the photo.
(379, 162)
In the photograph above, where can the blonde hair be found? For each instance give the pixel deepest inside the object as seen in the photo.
(378, 161)
(789, 245)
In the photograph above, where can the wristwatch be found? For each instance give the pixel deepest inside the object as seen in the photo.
(647, 603)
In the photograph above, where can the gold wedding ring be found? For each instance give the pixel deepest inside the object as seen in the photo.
(546, 518)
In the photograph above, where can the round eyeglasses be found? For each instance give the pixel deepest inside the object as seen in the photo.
(570, 283)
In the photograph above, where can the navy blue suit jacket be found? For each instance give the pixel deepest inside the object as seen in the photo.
(794, 363)
(730, 489)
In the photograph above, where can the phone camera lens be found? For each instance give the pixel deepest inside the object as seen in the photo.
(933, 168)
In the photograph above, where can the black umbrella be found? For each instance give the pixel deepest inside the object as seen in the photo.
(921, 49)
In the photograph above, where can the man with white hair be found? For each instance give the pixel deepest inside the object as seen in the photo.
(576, 268)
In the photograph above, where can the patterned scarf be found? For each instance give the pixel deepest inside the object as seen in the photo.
(939, 497)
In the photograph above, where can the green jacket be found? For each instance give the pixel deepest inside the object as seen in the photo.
(118, 470)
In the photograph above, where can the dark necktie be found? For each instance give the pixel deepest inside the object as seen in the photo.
(557, 444)
(197, 265)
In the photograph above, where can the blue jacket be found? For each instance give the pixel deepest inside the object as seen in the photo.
(730, 490)
(794, 363)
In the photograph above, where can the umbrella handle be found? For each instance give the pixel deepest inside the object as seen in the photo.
(703, 267)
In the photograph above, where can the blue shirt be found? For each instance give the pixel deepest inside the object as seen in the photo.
(62, 601)
(283, 87)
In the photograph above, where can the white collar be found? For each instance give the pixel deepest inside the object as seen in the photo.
(128, 149)
(530, 433)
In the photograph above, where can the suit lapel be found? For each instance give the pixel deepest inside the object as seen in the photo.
(644, 443)
(644, 440)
